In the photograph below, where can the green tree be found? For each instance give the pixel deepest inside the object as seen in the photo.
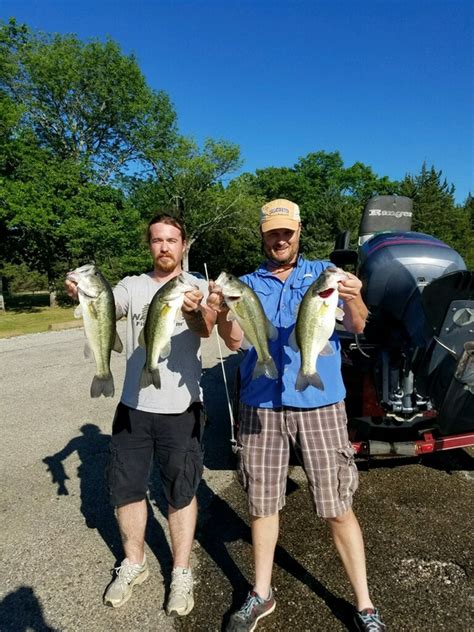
(232, 242)
(435, 212)
(85, 101)
(331, 197)
(78, 119)
(72, 115)
(187, 182)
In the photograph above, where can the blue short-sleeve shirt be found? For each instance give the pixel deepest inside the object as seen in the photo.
(280, 301)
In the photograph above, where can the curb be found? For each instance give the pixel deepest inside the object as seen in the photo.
(71, 324)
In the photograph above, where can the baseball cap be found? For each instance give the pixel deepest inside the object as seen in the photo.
(279, 214)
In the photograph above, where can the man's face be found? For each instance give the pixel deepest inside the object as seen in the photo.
(166, 246)
(281, 245)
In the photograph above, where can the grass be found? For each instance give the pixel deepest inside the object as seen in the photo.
(30, 314)
(16, 323)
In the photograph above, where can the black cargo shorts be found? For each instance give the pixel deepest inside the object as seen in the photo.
(175, 441)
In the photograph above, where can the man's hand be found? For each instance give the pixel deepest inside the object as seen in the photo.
(192, 301)
(71, 288)
(199, 318)
(215, 299)
(349, 288)
(355, 310)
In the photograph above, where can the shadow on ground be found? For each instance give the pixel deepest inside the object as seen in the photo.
(20, 611)
(399, 499)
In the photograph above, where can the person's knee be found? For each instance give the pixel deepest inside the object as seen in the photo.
(174, 506)
(340, 520)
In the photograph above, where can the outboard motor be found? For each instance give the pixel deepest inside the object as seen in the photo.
(421, 325)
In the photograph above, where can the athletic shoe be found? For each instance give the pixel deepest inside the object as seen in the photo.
(181, 600)
(126, 576)
(369, 620)
(253, 609)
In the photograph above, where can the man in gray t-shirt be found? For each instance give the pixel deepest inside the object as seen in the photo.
(165, 422)
(132, 298)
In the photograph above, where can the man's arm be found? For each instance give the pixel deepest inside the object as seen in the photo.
(229, 330)
(355, 310)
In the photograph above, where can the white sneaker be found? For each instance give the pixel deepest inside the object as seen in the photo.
(126, 576)
(181, 600)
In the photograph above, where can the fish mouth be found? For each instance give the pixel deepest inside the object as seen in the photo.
(326, 293)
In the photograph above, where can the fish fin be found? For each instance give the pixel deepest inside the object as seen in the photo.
(141, 338)
(327, 350)
(92, 310)
(339, 314)
(302, 381)
(267, 368)
(164, 353)
(148, 377)
(292, 341)
(145, 378)
(102, 386)
(118, 346)
(270, 369)
(230, 316)
(272, 331)
(88, 351)
(78, 311)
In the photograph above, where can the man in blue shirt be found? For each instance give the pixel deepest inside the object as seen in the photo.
(273, 413)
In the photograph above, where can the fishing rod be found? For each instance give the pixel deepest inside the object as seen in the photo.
(233, 441)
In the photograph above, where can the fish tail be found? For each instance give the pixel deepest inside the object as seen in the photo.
(313, 379)
(270, 369)
(150, 376)
(102, 386)
(267, 368)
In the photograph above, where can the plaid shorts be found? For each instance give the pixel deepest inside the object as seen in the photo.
(320, 440)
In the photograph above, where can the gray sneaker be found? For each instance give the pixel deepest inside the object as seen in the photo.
(126, 576)
(181, 600)
(253, 609)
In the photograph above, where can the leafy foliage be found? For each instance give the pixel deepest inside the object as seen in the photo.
(89, 153)
(331, 197)
(77, 119)
(435, 212)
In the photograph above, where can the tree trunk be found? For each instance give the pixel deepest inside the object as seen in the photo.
(53, 299)
(189, 243)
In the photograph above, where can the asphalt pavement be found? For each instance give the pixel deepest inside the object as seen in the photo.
(59, 538)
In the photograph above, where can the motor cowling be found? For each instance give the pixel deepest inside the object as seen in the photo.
(395, 268)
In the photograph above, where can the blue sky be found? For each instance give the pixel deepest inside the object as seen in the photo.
(386, 82)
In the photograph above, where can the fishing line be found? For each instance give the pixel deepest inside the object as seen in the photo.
(235, 447)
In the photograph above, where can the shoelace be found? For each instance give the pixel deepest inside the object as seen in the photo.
(372, 621)
(127, 572)
(250, 602)
(182, 583)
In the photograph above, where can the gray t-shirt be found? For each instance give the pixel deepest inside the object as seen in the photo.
(180, 372)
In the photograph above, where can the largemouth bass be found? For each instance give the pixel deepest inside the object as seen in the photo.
(159, 325)
(315, 324)
(97, 309)
(246, 308)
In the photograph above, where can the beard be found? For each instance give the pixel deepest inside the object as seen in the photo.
(280, 258)
(166, 264)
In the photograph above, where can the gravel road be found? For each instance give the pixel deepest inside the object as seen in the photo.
(60, 540)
